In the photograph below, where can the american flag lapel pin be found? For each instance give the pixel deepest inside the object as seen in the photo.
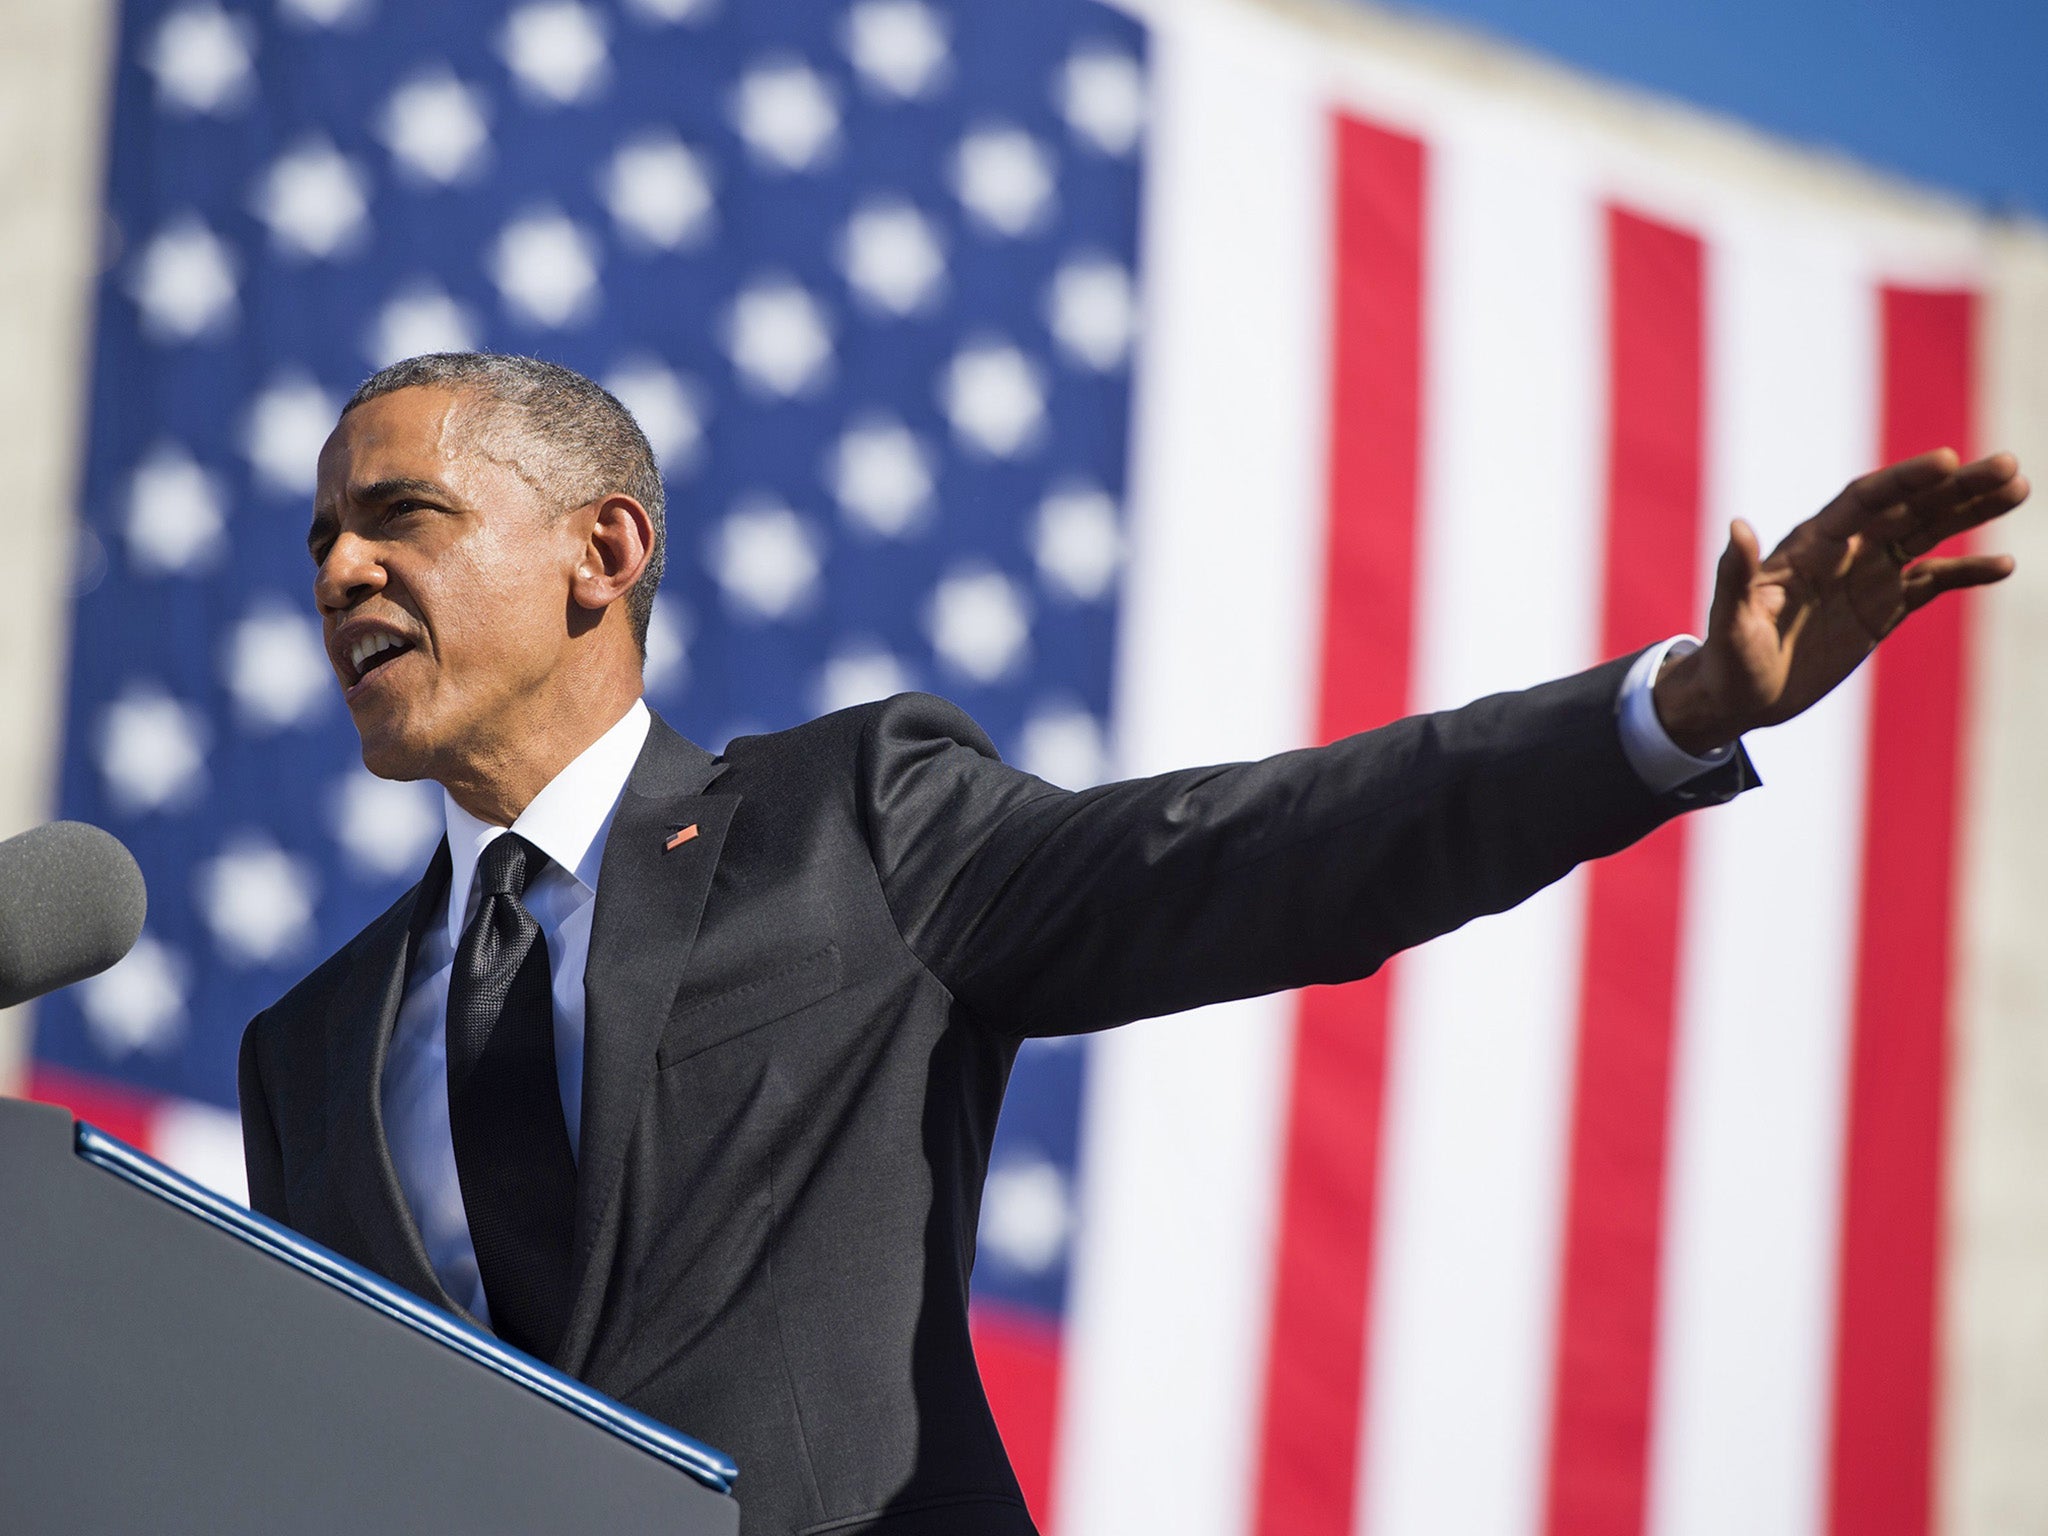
(683, 835)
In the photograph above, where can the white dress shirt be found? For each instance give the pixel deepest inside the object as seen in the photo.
(568, 821)
(1656, 758)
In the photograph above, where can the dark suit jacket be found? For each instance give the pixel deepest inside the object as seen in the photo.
(800, 1024)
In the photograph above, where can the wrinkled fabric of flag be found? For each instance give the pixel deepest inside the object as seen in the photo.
(1629, 1210)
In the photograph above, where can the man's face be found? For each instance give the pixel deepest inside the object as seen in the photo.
(442, 580)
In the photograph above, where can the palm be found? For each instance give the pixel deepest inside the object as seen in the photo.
(1787, 629)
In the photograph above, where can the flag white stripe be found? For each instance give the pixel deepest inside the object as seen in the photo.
(1217, 661)
(1740, 1423)
(1483, 1019)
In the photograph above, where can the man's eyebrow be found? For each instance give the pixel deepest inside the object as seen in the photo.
(393, 489)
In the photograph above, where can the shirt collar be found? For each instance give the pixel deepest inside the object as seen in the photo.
(566, 821)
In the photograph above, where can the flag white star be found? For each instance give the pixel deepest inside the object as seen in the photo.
(176, 514)
(203, 1143)
(1065, 745)
(659, 191)
(979, 623)
(892, 258)
(277, 669)
(898, 46)
(1004, 179)
(418, 320)
(257, 901)
(545, 267)
(786, 113)
(672, 12)
(184, 281)
(201, 59)
(995, 398)
(315, 201)
(668, 646)
(556, 49)
(668, 408)
(881, 475)
(1026, 1214)
(138, 1003)
(1092, 311)
(859, 675)
(286, 426)
(436, 128)
(152, 751)
(1101, 94)
(766, 559)
(1077, 541)
(386, 827)
(778, 338)
(330, 14)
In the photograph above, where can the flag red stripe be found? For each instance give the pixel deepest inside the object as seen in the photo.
(1018, 1354)
(1314, 1387)
(1881, 1472)
(120, 1110)
(1608, 1294)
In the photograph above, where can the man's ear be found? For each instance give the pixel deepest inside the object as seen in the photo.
(615, 551)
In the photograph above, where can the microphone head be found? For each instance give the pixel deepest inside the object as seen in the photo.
(71, 904)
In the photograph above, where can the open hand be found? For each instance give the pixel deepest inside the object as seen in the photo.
(1783, 631)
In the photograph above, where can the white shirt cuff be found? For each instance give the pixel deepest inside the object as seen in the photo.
(1658, 761)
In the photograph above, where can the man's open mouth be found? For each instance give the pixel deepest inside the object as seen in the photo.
(374, 650)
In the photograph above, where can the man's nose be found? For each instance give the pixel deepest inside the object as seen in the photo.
(350, 573)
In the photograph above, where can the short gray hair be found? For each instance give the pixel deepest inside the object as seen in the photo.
(593, 445)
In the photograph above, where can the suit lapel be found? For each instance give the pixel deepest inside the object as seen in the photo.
(361, 1016)
(652, 887)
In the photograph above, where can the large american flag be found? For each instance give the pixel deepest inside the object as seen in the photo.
(1619, 1213)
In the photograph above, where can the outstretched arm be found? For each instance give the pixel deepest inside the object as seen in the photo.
(1046, 912)
(1784, 631)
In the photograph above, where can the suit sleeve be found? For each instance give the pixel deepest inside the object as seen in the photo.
(1049, 912)
(260, 1150)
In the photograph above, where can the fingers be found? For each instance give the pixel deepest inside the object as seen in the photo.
(1919, 525)
(1992, 470)
(1930, 578)
(1866, 496)
(1969, 482)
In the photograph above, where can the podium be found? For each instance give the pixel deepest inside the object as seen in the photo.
(172, 1362)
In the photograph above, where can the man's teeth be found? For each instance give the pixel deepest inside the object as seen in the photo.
(370, 645)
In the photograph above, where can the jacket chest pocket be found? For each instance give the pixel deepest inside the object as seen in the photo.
(712, 1021)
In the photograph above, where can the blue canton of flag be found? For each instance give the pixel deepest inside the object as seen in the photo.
(863, 271)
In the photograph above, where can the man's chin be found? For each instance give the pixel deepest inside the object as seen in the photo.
(390, 756)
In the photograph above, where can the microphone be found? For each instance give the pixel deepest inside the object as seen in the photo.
(71, 904)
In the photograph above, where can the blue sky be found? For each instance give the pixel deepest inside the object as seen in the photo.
(1947, 94)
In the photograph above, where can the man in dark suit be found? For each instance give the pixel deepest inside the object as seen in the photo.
(681, 1071)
